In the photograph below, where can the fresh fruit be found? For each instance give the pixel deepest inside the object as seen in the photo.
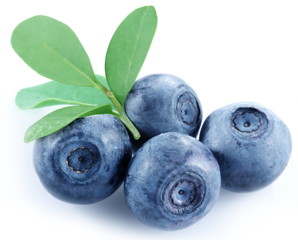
(84, 162)
(252, 145)
(172, 182)
(162, 103)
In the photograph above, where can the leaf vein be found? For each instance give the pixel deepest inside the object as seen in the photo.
(72, 65)
(125, 90)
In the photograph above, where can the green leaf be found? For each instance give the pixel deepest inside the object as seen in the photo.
(55, 93)
(53, 50)
(60, 118)
(128, 49)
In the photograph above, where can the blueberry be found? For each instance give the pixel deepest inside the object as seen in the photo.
(252, 145)
(163, 103)
(173, 180)
(84, 162)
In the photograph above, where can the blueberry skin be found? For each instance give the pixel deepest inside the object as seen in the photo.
(252, 145)
(86, 161)
(173, 181)
(162, 103)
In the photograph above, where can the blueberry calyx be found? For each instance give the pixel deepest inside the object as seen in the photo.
(80, 159)
(183, 194)
(188, 108)
(249, 122)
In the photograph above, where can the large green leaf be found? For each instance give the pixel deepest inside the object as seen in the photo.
(128, 49)
(53, 50)
(60, 118)
(55, 93)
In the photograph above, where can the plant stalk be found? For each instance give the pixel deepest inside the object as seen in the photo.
(121, 112)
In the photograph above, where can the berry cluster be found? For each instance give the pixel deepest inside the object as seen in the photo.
(173, 179)
(142, 133)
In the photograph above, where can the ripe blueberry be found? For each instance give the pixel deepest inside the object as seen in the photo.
(163, 103)
(252, 145)
(84, 162)
(173, 181)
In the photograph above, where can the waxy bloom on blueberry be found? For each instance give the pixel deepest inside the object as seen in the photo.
(252, 145)
(84, 162)
(172, 182)
(162, 103)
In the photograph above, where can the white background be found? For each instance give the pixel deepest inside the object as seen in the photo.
(227, 50)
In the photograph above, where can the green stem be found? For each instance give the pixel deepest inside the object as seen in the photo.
(121, 112)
